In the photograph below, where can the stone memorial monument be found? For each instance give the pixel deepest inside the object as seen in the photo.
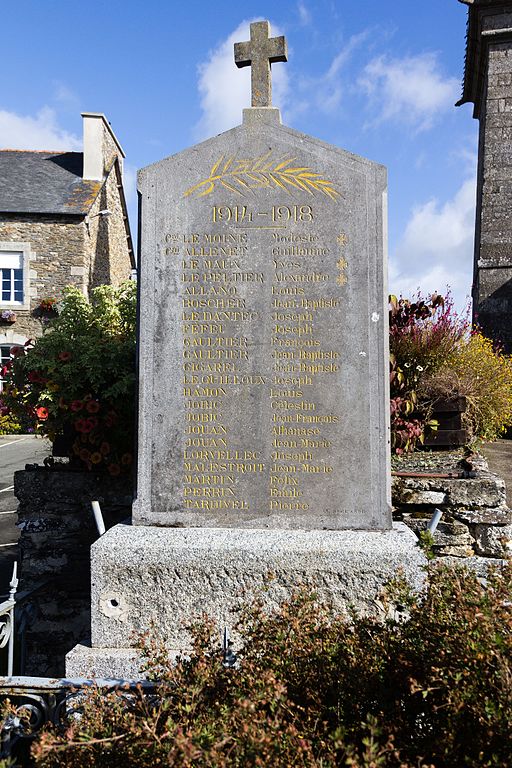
(263, 422)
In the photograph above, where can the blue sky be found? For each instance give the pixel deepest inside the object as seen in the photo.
(378, 79)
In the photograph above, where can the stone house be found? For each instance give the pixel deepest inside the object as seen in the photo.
(63, 221)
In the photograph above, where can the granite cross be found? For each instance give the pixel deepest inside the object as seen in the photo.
(259, 53)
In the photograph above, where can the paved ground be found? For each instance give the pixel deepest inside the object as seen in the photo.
(15, 452)
(499, 456)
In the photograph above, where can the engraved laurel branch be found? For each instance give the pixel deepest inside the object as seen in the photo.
(242, 175)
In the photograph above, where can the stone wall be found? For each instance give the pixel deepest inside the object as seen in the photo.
(57, 529)
(57, 260)
(491, 57)
(476, 519)
(107, 251)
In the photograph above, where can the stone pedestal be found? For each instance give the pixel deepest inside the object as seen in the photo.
(161, 579)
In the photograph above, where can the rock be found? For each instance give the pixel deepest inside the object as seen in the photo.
(485, 491)
(434, 498)
(486, 516)
(447, 533)
(454, 551)
(493, 541)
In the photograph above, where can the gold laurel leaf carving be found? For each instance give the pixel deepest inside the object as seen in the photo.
(263, 171)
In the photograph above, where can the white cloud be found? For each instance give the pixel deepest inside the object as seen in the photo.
(65, 96)
(39, 132)
(410, 90)
(225, 90)
(436, 248)
(327, 91)
(304, 14)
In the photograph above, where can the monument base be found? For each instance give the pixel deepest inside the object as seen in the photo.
(159, 580)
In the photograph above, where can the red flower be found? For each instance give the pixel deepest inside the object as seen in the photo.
(105, 448)
(81, 425)
(92, 421)
(42, 413)
(93, 406)
(64, 356)
(85, 454)
(17, 351)
(35, 377)
(76, 405)
(114, 469)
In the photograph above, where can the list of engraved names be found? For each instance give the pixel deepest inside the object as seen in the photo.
(260, 291)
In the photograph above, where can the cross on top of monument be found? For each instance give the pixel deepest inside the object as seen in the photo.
(259, 53)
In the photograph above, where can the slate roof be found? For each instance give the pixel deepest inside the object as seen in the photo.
(45, 183)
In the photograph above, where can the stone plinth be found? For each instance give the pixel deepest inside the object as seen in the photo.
(161, 579)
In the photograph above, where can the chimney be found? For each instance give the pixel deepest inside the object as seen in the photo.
(100, 146)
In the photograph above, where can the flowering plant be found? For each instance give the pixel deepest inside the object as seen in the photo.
(48, 305)
(423, 335)
(78, 379)
(8, 315)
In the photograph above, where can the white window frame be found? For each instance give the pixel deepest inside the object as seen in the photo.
(10, 339)
(26, 251)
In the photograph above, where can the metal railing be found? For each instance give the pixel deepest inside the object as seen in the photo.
(7, 620)
(36, 701)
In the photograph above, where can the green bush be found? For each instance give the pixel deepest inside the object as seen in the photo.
(78, 379)
(9, 425)
(483, 374)
(434, 355)
(433, 691)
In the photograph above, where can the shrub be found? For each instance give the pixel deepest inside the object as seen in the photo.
(422, 335)
(313, 690)
(78, 379)
(9, 425)
(483, 374)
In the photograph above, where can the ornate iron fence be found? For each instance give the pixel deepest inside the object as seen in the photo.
(36, 701)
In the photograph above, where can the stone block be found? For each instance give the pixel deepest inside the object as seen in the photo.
(104, 663)
(162, 579)
(493, 541)
(486, 516)
(486, 491)
(410, 496)
(453, 551)
(450, 538)
(447, 533)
